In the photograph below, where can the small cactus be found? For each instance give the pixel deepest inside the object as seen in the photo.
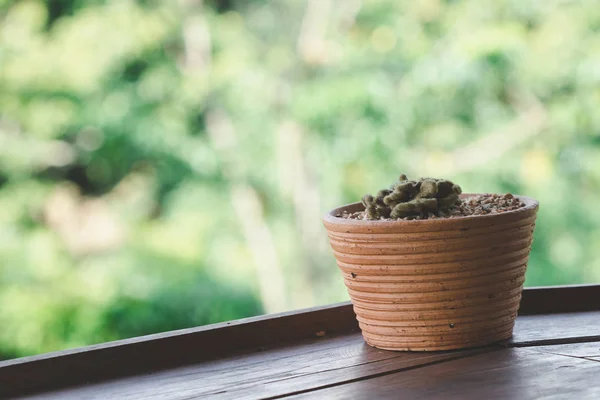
(409, 199)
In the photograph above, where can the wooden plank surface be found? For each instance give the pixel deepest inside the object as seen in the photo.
(556, 328)
(265, 375)
(560, 299)
(518, 373)
(325, 362)
(171, 349)
(589, 350)
(239, 347)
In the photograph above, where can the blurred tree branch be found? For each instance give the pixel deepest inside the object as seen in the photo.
(249, 211)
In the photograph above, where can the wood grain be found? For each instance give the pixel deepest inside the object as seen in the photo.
(560, 299)
(543, 329)
(171, 349)
(589, 350)
(304, 367)
(244, 349)
(507, 374)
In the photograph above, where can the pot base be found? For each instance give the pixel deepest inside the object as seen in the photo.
(440, 347)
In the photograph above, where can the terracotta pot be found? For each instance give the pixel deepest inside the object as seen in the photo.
(435, 284)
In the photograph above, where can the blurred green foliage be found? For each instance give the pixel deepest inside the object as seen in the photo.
(165, 164)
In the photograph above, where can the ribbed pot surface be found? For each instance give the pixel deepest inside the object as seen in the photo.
(439, 284)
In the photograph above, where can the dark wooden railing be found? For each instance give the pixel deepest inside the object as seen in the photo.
(542, 312)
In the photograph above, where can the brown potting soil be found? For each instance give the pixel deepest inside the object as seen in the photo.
(474, 205)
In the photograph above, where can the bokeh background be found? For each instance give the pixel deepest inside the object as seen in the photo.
(165, 164)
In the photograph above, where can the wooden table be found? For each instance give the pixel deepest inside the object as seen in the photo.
(319, 353)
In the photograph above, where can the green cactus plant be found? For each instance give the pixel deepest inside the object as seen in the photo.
(411, 199)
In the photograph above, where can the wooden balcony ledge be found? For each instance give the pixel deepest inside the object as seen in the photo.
(319, 353)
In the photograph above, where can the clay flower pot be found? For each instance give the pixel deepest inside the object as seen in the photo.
(436, 284)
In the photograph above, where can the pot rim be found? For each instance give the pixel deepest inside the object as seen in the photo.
(530, 204)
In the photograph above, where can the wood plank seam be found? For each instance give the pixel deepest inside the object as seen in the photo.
(366, 359)
(391, 356)
(550, 342)
(459, 356)
(589, 358)
(169, 350)
(505, 374)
